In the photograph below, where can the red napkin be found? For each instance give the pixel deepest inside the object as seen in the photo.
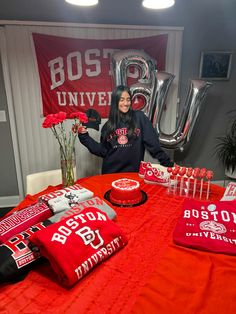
(209, 226)
(78, 243)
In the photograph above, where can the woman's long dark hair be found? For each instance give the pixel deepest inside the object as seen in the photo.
(115, 116)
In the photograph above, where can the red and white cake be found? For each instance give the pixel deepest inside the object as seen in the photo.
(125, 192)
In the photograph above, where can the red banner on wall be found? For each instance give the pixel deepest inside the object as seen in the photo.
(75, 73)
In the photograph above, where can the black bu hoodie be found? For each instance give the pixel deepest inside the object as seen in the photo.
(124, 154)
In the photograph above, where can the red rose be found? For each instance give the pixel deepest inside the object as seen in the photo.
(82, 117)
(49, 121)
(79, 115)
(60, 116)
(54, 119)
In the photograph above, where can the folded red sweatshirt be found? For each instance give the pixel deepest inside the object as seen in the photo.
(208, 226)
(230, 192)
(23, 219)
(78, 243)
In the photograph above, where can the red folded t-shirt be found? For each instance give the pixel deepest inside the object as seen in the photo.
(209, 226)
(230, 192)
(16, 258)
(23, 219)
(78, 243)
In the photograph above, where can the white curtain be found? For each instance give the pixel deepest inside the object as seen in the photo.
(38, 149)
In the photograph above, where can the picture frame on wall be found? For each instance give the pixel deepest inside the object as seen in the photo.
(215, 65)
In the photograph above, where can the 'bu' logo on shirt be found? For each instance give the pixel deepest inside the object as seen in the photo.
(90, 237)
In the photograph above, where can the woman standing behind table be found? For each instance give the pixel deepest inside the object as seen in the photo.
(124, 137)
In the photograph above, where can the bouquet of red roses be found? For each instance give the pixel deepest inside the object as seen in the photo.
(66, 140)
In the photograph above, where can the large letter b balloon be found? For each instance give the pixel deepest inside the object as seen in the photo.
(153, 87)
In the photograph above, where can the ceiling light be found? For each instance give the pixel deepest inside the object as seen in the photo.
(158, 4)
(84, 3)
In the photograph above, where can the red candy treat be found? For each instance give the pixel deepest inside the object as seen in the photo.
(189, 172)
(196, 172)
(182, 171)
(202, 173)
(209, 174)
(175, 170)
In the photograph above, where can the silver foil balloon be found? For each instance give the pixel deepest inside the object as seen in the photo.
(157, 101)
(153, 86)
(143, 89)
(155, 92)
(195, 96)
(146, 85)
(122, 59)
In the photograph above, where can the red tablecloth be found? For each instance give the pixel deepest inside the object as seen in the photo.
(150, 275)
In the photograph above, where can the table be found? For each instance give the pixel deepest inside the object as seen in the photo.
(150, 275)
